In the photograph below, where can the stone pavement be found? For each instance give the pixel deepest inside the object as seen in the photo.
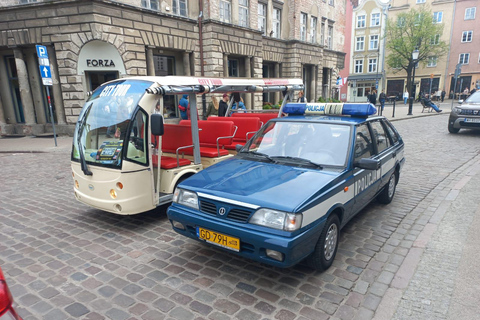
(413, 259)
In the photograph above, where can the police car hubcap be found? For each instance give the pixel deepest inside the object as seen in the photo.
(391, 186)
(330, 241)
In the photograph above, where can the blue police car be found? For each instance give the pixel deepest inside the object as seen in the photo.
(287, 193)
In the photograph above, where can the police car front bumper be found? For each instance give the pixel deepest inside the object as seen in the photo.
(253, 242)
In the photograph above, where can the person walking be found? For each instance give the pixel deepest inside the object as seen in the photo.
(405, 97)
(442, 95)
(373, 97)
(382, 98)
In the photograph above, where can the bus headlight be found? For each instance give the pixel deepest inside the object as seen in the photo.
(277, 219)
(186, 198)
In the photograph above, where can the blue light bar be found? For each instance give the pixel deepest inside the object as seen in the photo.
(331, 109)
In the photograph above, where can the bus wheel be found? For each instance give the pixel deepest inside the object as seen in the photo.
(326, 249)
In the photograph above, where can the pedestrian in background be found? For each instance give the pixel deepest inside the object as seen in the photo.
(443, 94)
(223, 106)
(301, 97)
(239, 106)
(382, 97)
(405, 97)
(373, 97)
(183, 107)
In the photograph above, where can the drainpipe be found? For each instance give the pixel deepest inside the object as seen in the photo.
(200, 42)
(448, 55)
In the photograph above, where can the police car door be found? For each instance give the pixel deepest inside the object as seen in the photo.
(385, 152)
(366, 181)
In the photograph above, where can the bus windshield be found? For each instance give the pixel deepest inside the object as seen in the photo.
(102, 127)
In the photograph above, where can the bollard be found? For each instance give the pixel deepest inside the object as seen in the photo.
(393, 114)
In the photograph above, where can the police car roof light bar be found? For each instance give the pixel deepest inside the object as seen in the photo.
(331, 109)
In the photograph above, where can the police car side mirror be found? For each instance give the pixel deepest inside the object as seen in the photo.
(157, 124)
(368, 164)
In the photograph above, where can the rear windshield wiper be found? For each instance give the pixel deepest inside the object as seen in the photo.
(260, 154)
(303, 160)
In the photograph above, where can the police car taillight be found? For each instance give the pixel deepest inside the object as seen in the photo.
(331, 109)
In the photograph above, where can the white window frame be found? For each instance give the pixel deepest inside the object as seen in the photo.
(225, 9)
(276, 22)
(372, 41)
(150, 4)
(435, 40)
(358, 68)
(322, 33)
(243, 13)
(432, 61)
(465, 36)
(438, 17)
(372, 65)
(330, 37)
(177, 7)
(464, 58)
(470, 13)
(262, 17)
(361, 21)
(303, 26)
(375, 19)
(313, 29)
(360, 43)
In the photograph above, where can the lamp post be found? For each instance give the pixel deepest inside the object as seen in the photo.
(412, 90)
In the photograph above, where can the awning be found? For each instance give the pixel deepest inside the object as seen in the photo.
(365, 77)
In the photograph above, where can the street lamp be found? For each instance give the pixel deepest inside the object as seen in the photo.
(412, 90)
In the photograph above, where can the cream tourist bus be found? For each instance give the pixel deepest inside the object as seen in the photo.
(126, 160)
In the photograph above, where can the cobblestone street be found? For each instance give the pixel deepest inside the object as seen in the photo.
(64, 260)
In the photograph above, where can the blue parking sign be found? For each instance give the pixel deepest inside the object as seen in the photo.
(42, 52)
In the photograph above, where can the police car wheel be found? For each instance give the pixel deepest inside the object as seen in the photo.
(326, 248)
(386, 196)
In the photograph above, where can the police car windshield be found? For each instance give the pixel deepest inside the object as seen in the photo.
(320, 143)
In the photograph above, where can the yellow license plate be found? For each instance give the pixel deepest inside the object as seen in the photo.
(219, 239)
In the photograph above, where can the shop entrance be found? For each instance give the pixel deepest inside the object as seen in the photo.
(96, 78)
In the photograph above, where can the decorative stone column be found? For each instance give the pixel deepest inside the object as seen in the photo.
(225, 65)
(3, 121)
(276, 72)
(24, 85)
(56, 91)
(150, 63)
(186, 64)
(248, 74)
(36, 86)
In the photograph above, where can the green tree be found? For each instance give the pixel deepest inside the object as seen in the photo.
(415, 29)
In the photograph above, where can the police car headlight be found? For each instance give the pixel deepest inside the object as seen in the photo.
(186, 198)
(457, 110)
(277, 219)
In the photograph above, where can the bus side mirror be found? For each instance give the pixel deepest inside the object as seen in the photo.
(157, 124)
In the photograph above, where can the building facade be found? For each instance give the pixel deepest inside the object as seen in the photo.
(464, 48)
(367, 50)
(93, 41)
(430, 75)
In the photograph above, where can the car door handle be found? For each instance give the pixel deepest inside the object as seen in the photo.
(394, 154)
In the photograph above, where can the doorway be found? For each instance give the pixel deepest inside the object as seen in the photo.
(95, 79)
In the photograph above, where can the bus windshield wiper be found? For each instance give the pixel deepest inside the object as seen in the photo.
(260, 154)
(81, 124)
(303, 160)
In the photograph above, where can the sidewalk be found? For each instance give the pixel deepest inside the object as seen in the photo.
(64, 143)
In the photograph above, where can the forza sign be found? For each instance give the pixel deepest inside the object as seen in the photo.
(100, 63)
